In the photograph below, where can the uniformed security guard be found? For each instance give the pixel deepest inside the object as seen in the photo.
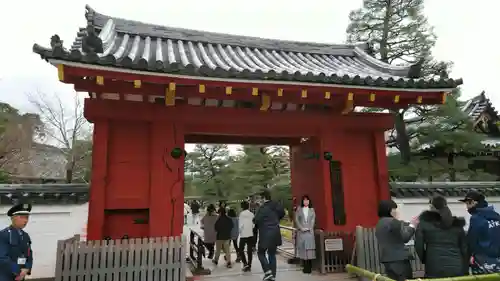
(16, 256)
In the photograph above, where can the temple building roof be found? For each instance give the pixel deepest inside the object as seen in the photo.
(480, 111)
(121, 43)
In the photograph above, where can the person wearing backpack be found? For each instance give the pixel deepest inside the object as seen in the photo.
(483, 236)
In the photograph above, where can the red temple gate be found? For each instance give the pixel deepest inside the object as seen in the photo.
(154, 88)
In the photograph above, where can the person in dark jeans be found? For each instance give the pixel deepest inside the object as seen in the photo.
(246, 236)
(223, 227)
(253, 207)
(267, 220)
(195, 212)
(235, 232)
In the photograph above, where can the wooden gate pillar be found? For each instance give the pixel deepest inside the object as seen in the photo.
(98, 181)
(166, 207)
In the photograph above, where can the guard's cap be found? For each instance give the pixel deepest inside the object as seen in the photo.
(19, 209)
(473, 196)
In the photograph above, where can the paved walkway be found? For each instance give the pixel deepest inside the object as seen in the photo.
(285, 271)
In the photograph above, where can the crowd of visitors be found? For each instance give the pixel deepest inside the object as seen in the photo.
(440, 240)
(256, 228)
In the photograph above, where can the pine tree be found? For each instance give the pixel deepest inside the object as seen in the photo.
(253, 170)
(209, 169)
(450, 132)
(398, 32)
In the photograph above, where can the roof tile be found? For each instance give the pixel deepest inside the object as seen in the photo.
(130, 44)
(447, 189)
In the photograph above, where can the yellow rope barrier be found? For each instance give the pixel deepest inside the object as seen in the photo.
(378, 277)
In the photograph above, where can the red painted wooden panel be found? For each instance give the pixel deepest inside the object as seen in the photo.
(133, 223)
(128, 166)
(361, 189)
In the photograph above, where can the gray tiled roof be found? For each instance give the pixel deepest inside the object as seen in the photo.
(477, 105)
(473, 107)
(43, 193)
(448, 189)
(46, 193)
(136, 45)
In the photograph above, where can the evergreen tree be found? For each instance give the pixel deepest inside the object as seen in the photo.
(253, 170)
(450, 132)
(209, 170)
(398, 32)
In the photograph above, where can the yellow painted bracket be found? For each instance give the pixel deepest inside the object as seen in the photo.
(280, 92)
(201, 89)
(349, 105)
(137, 84)
(396, 99)
(60, 72)
(303, 94)
(100, 80)
(169, 97)
(443, 98)
(266, 103)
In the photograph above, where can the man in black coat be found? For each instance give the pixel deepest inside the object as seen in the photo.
(267, 220)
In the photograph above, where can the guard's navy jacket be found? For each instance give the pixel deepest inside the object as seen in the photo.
(15, 253)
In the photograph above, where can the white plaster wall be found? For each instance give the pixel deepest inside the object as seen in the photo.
(47, 225)
(412, 207)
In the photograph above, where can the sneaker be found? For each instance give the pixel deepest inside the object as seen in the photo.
(268, 276)
(238, 260)
(229, 265)
(246, 268)
(215, 262)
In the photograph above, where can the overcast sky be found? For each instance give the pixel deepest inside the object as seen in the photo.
(467, 30)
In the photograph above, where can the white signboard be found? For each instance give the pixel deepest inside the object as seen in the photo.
(335, 244)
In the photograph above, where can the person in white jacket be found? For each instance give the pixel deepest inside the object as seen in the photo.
(246, 236)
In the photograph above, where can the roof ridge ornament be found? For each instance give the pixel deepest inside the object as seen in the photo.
(415, 70)
(89, 14)
(57, 45)
(91, 43)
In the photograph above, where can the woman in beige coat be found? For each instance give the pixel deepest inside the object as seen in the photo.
(305, 218)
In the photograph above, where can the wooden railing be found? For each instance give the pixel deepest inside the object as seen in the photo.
(162, 258)
(334, 250)
(197, 253)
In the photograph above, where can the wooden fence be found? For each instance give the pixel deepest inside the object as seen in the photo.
(367, 252)
(333, 249)
(162, 258)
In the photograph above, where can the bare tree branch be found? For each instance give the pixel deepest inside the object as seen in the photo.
(65, 125)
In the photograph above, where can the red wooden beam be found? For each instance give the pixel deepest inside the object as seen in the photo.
(236, 121)
(240, 83)
(218, 139)
(241, 94)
